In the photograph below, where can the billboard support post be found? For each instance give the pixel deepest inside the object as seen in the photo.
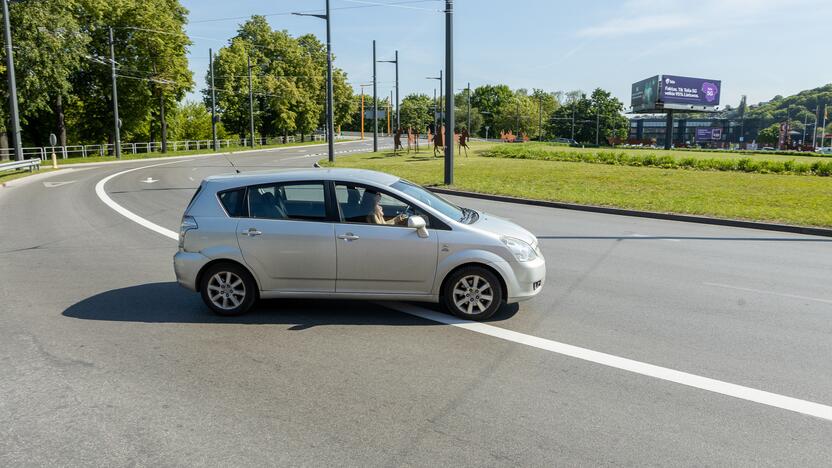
(668, 130)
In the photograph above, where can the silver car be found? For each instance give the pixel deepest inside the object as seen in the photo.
(350, 234)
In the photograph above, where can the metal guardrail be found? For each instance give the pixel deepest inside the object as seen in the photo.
(31, 164)
(64, 152)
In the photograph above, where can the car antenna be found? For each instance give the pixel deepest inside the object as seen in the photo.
(225, 155)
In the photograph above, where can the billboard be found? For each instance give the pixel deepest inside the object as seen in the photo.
(689, 91)
(644, 94)
(708, 134)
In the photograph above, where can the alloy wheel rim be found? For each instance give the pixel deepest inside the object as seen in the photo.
(473, 295)
(226, 290)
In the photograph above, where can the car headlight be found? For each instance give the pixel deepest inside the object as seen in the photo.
(522, 251)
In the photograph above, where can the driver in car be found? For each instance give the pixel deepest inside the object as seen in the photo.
(376, 216)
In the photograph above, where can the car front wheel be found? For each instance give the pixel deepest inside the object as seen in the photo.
(472, 293)
(228, 289)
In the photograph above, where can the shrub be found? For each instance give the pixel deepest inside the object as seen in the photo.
(820, 168)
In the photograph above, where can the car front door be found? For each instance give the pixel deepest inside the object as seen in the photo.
(288, 238)
(378, 258)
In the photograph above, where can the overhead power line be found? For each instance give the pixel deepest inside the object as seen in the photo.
(288, 13)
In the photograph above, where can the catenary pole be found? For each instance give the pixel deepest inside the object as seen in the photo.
(213, 100)
(330, 111)
(117, 130)
(449, 92)
(398, 122)
(14, 117)
(250, 101)
(469, 109)
(815, 132)
(375, 103)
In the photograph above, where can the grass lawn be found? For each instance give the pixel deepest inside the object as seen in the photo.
(765, 197)
(7, 176)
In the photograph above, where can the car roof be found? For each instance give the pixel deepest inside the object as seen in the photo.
(298, 175)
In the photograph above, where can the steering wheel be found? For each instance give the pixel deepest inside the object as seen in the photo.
(408, 212)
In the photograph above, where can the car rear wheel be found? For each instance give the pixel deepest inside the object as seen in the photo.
(472, 293)
(228, 289)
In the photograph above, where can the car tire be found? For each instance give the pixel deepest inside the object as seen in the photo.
(228, 289)
(472, 293)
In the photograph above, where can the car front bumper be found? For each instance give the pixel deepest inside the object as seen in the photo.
(524, 280)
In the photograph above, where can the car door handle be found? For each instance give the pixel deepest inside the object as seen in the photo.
(252, 232)
(348, 236)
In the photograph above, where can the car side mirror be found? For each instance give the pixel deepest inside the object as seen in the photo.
(418, 223)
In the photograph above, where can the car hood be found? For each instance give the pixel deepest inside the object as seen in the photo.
(503, 227)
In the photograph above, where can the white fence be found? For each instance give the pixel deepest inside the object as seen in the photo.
(83, 151)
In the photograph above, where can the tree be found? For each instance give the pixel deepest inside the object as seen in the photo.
(288, 79)
(491, 101)
(769, 135)
(416, 112)
(192, 121)
(49, 48)
(584, 116)
(147, 61)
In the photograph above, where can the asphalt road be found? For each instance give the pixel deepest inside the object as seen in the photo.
(104, 360)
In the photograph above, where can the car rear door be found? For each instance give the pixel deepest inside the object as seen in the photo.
(289, 237)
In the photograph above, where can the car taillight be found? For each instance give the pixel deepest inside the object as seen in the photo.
(188, 223)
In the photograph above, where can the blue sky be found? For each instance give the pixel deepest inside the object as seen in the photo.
(756, 47)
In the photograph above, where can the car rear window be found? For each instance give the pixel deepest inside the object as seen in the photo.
(233, 202)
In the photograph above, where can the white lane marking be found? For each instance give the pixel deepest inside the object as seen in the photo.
(102, 195)
(149, 180)
(761, 291)
(58, 184)
(683, 378)
(190, 178)
(691, 380)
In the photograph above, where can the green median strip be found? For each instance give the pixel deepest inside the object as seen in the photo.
(780, 198)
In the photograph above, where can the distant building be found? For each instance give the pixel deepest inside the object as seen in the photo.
(717, 132)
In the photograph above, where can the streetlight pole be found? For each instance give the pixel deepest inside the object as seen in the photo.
(597, 127)
(330, 114)
(573, 121)
(13, 112)
(469, 108)
(117, 135)
(435, 109)
(213, 100)
(375, 102)
(395, 61)
(250, 100)
(449, 104)
(437, 105)
(540, 118)
(815, 132)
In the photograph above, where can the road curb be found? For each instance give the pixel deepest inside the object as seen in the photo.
(813, 231)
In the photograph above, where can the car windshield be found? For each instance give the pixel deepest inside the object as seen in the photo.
(434, 201)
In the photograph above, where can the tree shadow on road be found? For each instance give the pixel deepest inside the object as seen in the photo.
(169, 303)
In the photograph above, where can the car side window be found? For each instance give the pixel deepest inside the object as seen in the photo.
(303, 201)
(234, 202)
(367, 205)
